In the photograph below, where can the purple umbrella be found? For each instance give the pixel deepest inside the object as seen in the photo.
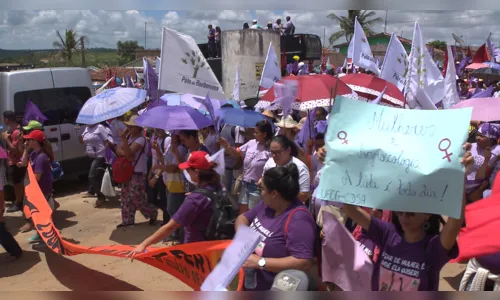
(173, 118)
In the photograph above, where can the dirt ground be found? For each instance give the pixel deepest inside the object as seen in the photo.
(42, 270)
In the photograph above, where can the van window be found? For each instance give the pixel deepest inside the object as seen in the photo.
(59, 105)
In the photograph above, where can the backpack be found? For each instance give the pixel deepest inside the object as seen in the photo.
(122, 169)
(221, 225)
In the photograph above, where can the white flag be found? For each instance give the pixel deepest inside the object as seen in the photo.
(218, 158)
(157, 66)
(271, 72)
(362, 54)
(244, 243)
(184, 69)
(379, 98)
(395, 65)
(236, 88)
(422, 74)
(450, 83)
(350, 49)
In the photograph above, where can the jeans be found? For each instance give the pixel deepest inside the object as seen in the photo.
(174, 202)
(249, 194)
(96, 173)
(157, 195)
(228, 179)
(211, 49)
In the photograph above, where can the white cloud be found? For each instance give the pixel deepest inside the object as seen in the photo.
(36, 29)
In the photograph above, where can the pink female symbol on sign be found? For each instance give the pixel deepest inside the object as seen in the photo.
(342, 135)
(445, 149)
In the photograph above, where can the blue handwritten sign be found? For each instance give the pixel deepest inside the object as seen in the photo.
(395, 159)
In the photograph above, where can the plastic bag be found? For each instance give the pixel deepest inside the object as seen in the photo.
(107, 188)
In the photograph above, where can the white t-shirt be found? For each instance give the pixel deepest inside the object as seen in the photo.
(304, 176)
(141, 166)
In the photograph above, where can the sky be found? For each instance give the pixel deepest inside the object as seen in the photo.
(36, 29)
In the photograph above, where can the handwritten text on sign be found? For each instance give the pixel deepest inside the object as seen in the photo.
(396, 159)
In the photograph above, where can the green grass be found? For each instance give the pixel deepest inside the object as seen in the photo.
(98, 57)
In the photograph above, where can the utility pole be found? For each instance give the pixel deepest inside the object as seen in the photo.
(145, 24)
(324, 36)
(385, 25)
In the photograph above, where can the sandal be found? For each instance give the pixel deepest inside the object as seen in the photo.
(98, 203)
(124, 225)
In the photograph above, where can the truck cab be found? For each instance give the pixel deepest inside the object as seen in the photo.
(59, 93)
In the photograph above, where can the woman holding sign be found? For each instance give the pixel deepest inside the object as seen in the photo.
(412, 249)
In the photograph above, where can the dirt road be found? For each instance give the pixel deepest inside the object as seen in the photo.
(41, 270)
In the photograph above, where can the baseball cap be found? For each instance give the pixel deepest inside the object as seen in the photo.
(36, 135)
(33, 125)
(199, 160)
(292, 280)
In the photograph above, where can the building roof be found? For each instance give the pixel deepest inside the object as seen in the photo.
(402, 39)
(120, 73)
(138, 62)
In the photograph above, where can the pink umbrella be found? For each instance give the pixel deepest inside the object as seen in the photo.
(475, 66)
(483, 109)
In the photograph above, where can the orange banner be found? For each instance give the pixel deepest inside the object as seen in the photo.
(190, 263)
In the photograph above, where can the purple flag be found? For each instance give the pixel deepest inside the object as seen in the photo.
(344, 261)
(462, 65)
(129, 82)
(150, 80)
(484, 94)
(211, 111)
(289, 69)
(321, 126)
(308, 131)
(109, 156)
(33, 113)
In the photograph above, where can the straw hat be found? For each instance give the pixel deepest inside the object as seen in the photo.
(268, 114)
(131, 121)
(301, 123)
(287, 122)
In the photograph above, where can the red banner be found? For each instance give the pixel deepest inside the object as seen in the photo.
(190, 263)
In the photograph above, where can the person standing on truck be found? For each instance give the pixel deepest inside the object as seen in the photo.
(255, 25)
(211, 41)
(289, 28)
(217, 41)
(14, 141)
(278, 26)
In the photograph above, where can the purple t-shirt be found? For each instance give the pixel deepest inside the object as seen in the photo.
(40, 163)
(367, 244)
(299, 243)
(471, 183)
(490, 262)
(404, 266)
(256, 155)
(194, 215)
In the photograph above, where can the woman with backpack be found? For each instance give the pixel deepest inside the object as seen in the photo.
(132, 154)
(413, 250)
(286, 225)
(196, 211)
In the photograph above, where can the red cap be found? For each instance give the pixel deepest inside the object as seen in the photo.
(36, 135)
(197, 160)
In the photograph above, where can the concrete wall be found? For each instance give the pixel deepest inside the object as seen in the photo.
(246, 49)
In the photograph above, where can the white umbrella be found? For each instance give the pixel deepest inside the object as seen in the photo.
(110, 104)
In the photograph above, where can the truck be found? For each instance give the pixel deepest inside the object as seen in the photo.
(59, 93)
(247, 50)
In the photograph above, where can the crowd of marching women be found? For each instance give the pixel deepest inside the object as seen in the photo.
(270, 173)
(210, 177)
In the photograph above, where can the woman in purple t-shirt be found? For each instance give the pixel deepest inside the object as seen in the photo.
(412, 250)
(196, 210)
(287, 228)
(255, 154)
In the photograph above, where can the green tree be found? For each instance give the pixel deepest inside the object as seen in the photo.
(365, 18)
(67, 45)
(127, 50)
(437, 44)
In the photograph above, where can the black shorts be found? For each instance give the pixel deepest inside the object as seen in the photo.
(16, 174)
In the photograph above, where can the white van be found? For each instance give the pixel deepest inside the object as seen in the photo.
(59, 93)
